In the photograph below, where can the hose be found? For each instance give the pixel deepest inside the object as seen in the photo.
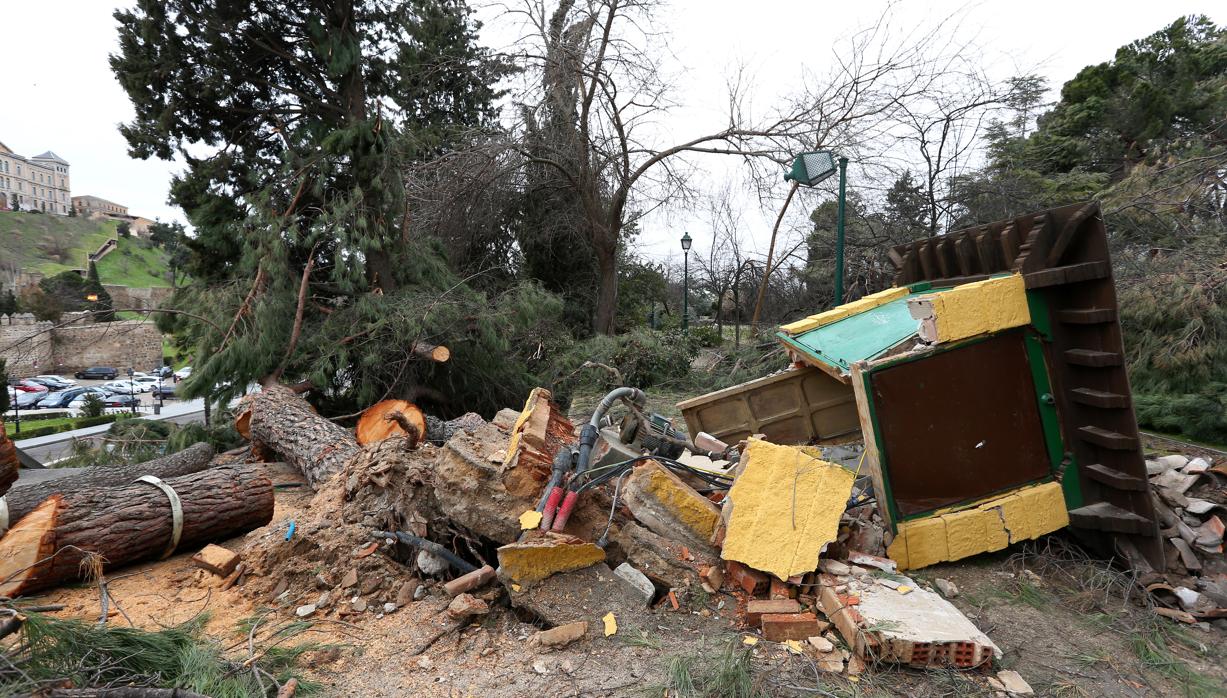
(409, 539)
(587, 440)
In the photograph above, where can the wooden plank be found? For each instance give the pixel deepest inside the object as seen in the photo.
(985, 251)
(1114, 478)
(1071, 274)
(963, 253)
(1105, 516)
(1099, 398)
(1069, 232)
(1087, 316)
(942, 249)
(1093, 358)
(1009, 244)
(1107, 439)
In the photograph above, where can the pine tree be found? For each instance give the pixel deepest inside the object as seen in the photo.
(304, 191)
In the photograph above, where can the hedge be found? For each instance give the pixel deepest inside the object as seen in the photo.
(75, 424)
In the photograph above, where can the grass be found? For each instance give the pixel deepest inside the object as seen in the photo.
(641, 638)
(725, 674)
(135, 263)
(10, 428)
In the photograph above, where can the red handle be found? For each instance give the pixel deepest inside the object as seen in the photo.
(564, 513)
(551, 506)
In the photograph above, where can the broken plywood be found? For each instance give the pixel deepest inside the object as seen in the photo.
(787, 506)
(972, 309)
(919, 628)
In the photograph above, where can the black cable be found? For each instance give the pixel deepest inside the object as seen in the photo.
(409, 539)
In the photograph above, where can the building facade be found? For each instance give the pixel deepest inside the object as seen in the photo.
(89, 205)
(39, 183)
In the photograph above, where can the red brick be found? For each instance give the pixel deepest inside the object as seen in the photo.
(779, 590)
(751, 581)
(757, 607)
(472, 580)
(779, 627)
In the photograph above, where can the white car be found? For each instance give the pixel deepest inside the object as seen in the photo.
(144, 380)
(79, 401)
(126, 387)
(59, 379)
(183, 372)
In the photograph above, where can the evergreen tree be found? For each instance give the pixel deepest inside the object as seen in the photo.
(314, 108)
(8, 303)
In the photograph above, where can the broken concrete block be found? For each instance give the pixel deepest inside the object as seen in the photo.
(786, 506)
(1154, 467)
(1199, 506)
(756, 608)
(535, 559)
(920, 629)
(971, 309)
(466, 605)
(821, 644)
(1197, 466)
(866, 560)
(946, 587)
(781, 627)
(304, 610)
(1175, 481)
(834, 567)
(1013, 683)
(560, 636)
(468, 582)
(671, 508)
(505, 418)
(586, 594)
(637, 581)
(662, 560)
(216, 559)
(1174, 461)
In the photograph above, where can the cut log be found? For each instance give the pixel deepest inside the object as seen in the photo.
(390, 418)
(242, 424)
(22, 499)
(8, 460)
(431, 352)
(540, 431)
(285, 423)
(127, 524)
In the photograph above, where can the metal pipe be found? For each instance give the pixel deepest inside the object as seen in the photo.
(414, 541)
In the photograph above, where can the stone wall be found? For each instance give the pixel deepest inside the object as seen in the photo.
(25, 344)
(32, 347)
(129, 297)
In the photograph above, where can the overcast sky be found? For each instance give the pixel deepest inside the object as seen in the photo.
(58, 92)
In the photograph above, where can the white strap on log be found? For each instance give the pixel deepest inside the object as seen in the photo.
(176, 511)
(4, 515)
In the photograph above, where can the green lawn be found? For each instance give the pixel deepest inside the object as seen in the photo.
(26, 425)
(135, 263)
(50, 244)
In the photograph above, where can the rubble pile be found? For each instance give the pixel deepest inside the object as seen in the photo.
(1191, 502)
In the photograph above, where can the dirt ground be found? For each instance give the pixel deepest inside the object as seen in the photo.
(1065, 639)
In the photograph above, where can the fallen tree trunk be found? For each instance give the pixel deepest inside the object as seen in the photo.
(284, 422)
(127, 524)
(390, 418)
(22, 499)
(121, 692)
(8, 460)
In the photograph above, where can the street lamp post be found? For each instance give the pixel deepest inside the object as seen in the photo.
(810, 169)
(686, 242)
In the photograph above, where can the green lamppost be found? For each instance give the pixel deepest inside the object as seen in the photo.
(810, 169)
(686, 242)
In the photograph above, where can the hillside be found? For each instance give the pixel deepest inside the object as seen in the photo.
(52, 244)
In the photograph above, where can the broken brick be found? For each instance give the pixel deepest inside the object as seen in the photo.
(466, 605)
(781, 627)
(778, 590)
(216, 559)
(757, 607)
(749, 580)
(472, 580)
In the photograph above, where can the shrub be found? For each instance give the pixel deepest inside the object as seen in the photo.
(92, 406)
(642, 358)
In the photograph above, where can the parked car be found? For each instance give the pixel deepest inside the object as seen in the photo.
(28, 386)
(58, 380)
(117, 400)
(60, 400)
(166, 390)
(98, 372)
(78, 401)
(163, 371)
(184, 372)
(151, 381)
(125, 387)
(23, 400)
(47, 383)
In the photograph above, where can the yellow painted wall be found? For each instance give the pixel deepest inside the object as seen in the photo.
(837, 313)
(985, 527)
(978, 308)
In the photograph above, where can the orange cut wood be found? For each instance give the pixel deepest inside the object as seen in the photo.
(28, 545)
(380, 421)
(242, 424)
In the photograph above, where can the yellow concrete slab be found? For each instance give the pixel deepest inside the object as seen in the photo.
(837, 313)
(972, 309)
(786, 507)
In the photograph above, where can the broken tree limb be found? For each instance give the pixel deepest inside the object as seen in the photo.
(431, 352)
(390, 418)
(285, 423)
(22, 499)
(127, 524)
(9, 462)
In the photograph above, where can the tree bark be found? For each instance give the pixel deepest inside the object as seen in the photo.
(22, 499)
(607, 289)
(127, 524)
(284, 422)
(431, 352)
(8, 460)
